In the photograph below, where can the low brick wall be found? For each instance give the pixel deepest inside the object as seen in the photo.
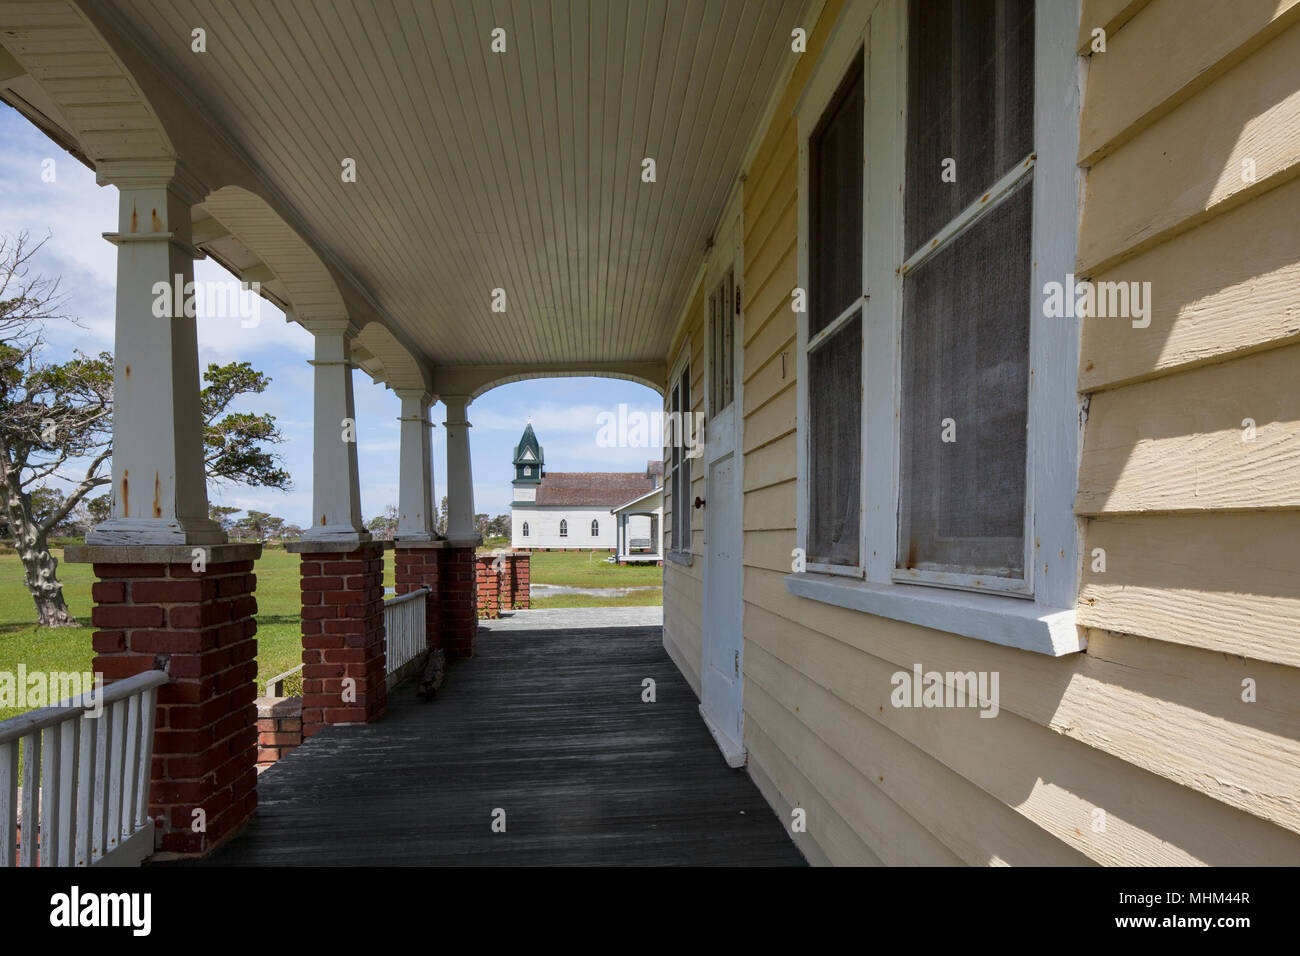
(503, 582)
(279, 728)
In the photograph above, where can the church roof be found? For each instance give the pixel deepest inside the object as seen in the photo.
(595, 489)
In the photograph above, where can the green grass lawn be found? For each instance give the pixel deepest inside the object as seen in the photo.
(588, 569)
(279, 639)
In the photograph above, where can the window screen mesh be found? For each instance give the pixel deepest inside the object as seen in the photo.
(966, 358)
(970, 98)
(835, 182)
(834, 446)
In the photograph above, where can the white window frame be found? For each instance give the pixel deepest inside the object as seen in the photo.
(564, 527)
(595, 528)
(524, 530)
(1042, 617)
(681, 369)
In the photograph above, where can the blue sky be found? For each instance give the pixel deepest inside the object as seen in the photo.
(74, 212)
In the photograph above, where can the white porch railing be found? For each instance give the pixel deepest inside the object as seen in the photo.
(85, 786)
(404, 628)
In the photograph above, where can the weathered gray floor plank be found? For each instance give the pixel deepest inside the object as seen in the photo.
(548, 725)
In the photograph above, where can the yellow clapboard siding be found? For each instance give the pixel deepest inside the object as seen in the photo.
(1223, 288)
(893, 835)
(1187, 166)
(769, 423)
(1164, 56)
(975, 826)
(1053, 781)
(771, 380)
(772, 238)
(1226, 582)
(774, 336)
(1110, 15)
(834, 840)
(1098, 703)
(769, 549)
(771, 463)
(1177, 443)
(771, 508)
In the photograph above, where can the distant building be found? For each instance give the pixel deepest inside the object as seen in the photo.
(575, 509)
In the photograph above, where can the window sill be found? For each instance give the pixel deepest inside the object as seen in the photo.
(681, 557)
(1013, 622)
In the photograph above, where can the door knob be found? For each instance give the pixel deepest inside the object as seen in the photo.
(699, 502)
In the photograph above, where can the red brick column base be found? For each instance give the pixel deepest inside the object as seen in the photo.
(489, 571)
(457, 593)
(417, 566)
(154, 610)
(520, 582)
(343, 677)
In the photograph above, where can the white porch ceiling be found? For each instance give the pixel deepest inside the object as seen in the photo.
(478, 170)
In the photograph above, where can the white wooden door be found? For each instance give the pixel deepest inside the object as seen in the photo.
(721, 701)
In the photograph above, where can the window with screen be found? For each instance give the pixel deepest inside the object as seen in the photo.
(722, 352)
(964, 398)
(678, 434)
(834, 338)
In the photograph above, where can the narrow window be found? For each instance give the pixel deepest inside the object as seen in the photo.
(525, 529)
(595, 528)
(834, 340)
(564, 528)
(966, 289)
(681, 438)
(722, 352)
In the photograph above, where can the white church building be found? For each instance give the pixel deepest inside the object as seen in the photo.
(617, 511)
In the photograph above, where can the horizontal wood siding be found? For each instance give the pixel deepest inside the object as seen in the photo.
(683, 583)
(1201, 589)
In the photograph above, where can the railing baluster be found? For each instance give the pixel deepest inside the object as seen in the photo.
(104, 747)
(9, 810)
(69, 730)
(144, 773)
(130, 778)
(116, 767)
(89, 731)
(49, 827)
(31, 798)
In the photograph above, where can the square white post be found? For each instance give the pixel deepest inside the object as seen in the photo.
(336, 487)
(415, 478)
(460, 474)
(159, 493)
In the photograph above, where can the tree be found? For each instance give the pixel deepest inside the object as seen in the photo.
(57, 416)
(385, 526)
(252, 527)
(442, 516)
(223, 515)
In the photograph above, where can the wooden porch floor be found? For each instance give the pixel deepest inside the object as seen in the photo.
(546, 724)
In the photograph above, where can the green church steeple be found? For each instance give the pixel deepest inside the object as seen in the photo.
(528, 460)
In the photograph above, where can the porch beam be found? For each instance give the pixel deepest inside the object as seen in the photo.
(159, 491)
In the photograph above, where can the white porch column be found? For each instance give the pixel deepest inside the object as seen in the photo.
(460, 474)
(415, 479)
(159, 491)
(336, 487)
